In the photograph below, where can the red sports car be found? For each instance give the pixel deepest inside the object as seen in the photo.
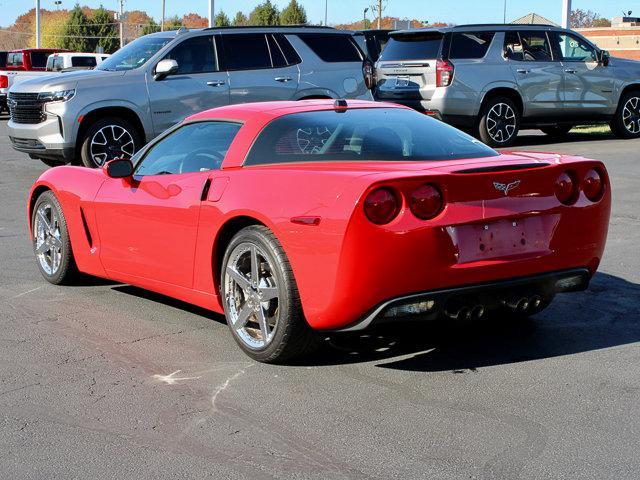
(298, 217)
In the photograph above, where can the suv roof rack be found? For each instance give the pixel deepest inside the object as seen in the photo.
(239, 27)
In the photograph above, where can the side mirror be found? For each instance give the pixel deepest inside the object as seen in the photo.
(118, 168)
(603, 57)
(165, 68)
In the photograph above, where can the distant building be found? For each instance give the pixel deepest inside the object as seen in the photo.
(534, 19)
(621, 39)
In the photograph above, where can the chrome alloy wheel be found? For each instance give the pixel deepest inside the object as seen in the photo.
(631, 115)
(501, 122)
(251, 296)
(111, 141)
(47, 238)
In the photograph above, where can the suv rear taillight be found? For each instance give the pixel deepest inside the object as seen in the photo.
(4, 81)
(369, 74)
(381, 205)
(444, 73)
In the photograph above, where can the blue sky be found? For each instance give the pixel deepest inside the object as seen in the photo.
(341, 11)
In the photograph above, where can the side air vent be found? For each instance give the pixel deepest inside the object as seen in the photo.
(503, 168)
(87, 232)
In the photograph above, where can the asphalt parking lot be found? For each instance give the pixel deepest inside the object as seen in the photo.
(108, 381)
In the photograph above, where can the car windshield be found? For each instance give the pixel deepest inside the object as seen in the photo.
(388, 134)
(135, 54)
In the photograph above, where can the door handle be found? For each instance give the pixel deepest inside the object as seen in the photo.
(523, 70)
(216, 83)
(283, 79)
(569, 70)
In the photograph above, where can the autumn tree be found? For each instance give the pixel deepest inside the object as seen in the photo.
(587, 19)
(221, 20)
(76, 31)
(240, 20)
(265, 14)
(193, 20)
(293, 14)
(172, 23)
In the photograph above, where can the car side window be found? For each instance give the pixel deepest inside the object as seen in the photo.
(194, 147)
(574, 49)
(195, 55)
(246, 51)
(470, 45)
(535, 47)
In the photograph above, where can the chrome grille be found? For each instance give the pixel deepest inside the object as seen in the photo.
(25, 108)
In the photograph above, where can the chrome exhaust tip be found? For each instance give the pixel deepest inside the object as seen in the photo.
(477, 312)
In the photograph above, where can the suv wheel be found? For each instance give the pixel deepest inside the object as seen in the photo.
(106, 139)
(557, 130)
(626, 122)
(499, 122)
(261, 299)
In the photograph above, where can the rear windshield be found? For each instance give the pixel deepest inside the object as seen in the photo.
(39, 59)
(3, 59)
(362, 134)
(412, 47)
(83, 61)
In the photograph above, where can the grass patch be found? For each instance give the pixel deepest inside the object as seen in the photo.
(592, 129)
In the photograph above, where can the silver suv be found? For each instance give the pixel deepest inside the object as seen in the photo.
(157, 80)
(497, 79)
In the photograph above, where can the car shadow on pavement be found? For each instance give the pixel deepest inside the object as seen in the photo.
(607, 315)
(525, 139)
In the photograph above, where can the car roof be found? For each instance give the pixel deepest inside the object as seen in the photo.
(479, 27)
(253, 29)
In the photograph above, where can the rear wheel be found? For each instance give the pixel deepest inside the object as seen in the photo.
(626, 121)
(51, 243)
(557, 130)
(106, 139)
(261, 301)
(499, 122)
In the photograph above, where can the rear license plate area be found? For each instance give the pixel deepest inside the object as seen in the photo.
(402, 81)
(502, 238)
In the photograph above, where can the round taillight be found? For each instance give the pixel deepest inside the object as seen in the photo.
(381, 206)
(566, 188)
(426, 201)
(592, 185)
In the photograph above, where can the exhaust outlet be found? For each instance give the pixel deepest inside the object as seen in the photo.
(535, 302)
(477, 312)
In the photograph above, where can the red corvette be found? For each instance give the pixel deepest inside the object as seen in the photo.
(293, 217)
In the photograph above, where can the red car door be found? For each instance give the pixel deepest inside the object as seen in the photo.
(148, 224)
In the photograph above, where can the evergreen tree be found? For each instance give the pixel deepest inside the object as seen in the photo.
(293, 14)
(172, 23)
(150, 27)
(265, 14)
(240, 20)
(76, 29)
(221, 20)
(102, 25)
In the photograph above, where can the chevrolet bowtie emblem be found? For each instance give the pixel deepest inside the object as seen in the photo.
(506, 187)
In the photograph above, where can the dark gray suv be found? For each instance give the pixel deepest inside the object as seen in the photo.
(497, 79)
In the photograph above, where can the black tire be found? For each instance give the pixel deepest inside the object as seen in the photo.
(51, 163)
(115, 147)
(617, 123)
(66, 270)
(291, 336)
(512, 124)
(557, 130)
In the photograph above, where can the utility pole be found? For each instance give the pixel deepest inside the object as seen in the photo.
(379, 14)
(504, 12)
(162, 22)
(566, 13)
(121, 23)
(37, 23)
(212, 14)
(325, 11)
(364, 18)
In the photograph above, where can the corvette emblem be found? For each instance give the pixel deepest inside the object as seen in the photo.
(506, 187)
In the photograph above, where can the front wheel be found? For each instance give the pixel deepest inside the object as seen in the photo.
(107, 139)
(499, 122)
(51, 243)
(261, 301)
(626, 121)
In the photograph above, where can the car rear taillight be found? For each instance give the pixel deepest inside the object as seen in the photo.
(444, 73)
(593, 185)
(381, 205)
(426, 201)
(369, 74)
(4, 81)
(566, 188)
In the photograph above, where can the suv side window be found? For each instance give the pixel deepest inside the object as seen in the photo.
(574, 49)
(470, 45)
(287, 49)
(331, 47)
(246, 51)
(195, 55)
(535, 47)
(194, 147)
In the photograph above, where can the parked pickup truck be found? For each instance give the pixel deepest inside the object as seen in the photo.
(154, 82)
(60, 62)
(23, 64)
